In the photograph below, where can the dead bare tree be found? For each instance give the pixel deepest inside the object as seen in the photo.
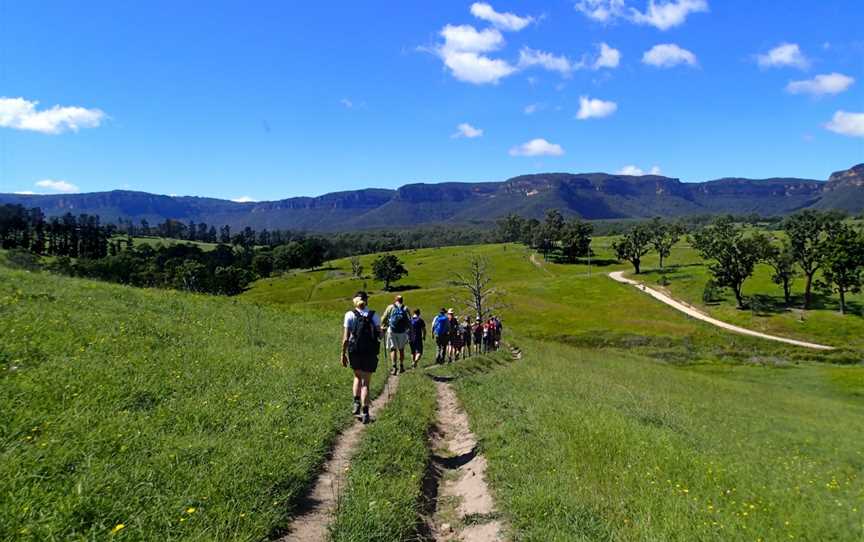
(478, 295)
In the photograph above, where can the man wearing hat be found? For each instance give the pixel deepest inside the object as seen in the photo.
(361, 343)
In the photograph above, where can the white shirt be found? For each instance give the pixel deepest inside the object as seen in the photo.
(348, 322)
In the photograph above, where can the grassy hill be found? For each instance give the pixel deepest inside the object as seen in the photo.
(176, 416)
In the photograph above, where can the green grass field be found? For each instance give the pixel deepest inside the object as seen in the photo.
(611, 445)
(177, 416)
(187, 417)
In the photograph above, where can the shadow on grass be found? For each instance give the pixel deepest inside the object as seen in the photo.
(403, 288)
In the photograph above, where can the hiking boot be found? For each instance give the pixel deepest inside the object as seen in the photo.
(365, 418)
(356, 410)
(401, 368)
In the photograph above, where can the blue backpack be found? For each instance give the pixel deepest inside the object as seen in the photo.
(441, 325)
(399, 320)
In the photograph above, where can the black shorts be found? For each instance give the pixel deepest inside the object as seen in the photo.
(416, 346)
(363, 362)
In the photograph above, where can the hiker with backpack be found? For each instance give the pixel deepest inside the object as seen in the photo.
(441, 332)
(361, 343)
(477, 329)
(416, 337)
(395, 323)
(455, 339)
(465, 330)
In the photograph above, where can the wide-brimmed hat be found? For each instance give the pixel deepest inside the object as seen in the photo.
(450, 311)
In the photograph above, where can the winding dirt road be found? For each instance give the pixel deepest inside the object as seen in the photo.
(691, 311)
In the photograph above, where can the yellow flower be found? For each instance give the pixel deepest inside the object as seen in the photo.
(190, 510)
(117, 528)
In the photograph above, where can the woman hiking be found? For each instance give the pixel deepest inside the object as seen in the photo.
(361, 343)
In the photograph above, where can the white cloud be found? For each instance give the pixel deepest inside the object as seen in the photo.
(25, 193)
(58, 186)
(665, 15)
(637, 171)
(667, 55)
(531, 57)
(601, 10)
(466, 130)
(347, 103)
(461, 53)
(244, 199)
(785, 54)
(845, 123)
(504, 21)
(831, 83)
(21, 114)
(477, 69)
(465, 38)
(530, 109)
(537, 147)
(593, 108)
(662, 14)
(609, 57)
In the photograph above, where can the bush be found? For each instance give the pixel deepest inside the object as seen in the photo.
(712, 292)
(23, 259)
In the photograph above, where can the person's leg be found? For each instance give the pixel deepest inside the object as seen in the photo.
(356, 388)
(402, 359)
(365, 379)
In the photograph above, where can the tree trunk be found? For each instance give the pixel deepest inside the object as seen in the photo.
(808, 283)
(842, 292)
(636, 263)
(738, 297)
(661, 260)
(787, 292)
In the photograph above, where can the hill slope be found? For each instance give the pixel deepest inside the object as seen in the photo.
(590, 195)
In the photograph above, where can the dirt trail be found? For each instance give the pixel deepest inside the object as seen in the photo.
(692, 311)
(462, 493)
(319, 505)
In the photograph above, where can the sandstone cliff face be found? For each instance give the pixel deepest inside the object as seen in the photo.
(590, 195)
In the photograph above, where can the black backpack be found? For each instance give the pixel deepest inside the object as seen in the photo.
(363, 339)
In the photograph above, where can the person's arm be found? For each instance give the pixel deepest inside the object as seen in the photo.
(423, 330)
(385, 318)
(345, 334)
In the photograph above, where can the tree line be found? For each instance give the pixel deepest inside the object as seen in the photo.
(811, 242)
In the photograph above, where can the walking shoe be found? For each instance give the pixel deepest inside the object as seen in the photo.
(365, 419)
(401, 368)
(356, 411)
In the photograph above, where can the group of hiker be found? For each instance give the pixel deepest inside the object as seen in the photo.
(400, 327)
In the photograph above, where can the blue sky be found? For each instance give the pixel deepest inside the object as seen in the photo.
(268, 100)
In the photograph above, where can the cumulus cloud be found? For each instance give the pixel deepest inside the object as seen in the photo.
(830, 83)
(346, 103)
(637, 171)
(665, 15)
(609, 57)
(668, 55)
(462, 52)
(530, 109)
(503, 21)
(537, 147)
(466, 130)
(593, 108)
(22, 114)
(845, 123)
(58, 186)
(784, 55)
(601, 10)
(531, 57)
(244, 199)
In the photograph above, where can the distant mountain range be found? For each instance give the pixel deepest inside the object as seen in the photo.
(589, 195)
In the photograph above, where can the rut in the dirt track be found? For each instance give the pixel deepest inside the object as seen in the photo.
(463, 505)
(319, 505)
